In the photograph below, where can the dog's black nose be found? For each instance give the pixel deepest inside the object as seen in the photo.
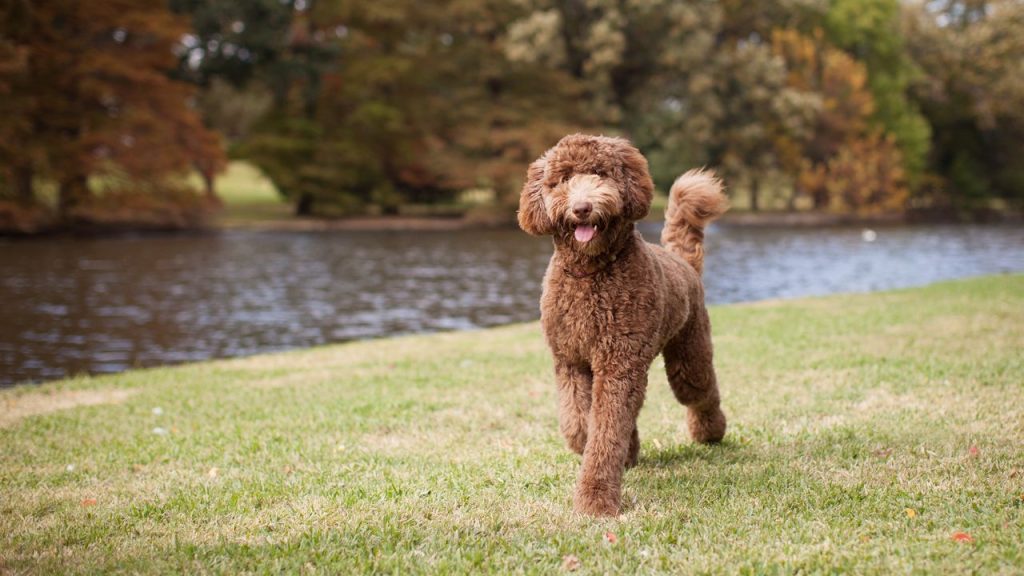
(582, 209)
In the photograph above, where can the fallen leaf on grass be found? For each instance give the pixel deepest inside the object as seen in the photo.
(86, 502)
(610, 537)
(911, 513)
(962, 537)
(570, 562)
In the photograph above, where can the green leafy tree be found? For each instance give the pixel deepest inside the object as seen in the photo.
(237, 42)
(870, 31)
(972, 93)
(691, 83)
(409, 103)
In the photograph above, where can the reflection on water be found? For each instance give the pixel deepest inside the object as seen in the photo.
(105, 305)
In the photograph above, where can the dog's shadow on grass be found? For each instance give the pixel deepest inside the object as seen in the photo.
(688, 452)
(664, 475)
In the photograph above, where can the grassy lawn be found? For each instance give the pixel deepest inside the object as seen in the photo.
(877, 433)
(249, 196)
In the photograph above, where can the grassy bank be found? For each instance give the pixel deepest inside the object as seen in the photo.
(249, 197)
(869, 433)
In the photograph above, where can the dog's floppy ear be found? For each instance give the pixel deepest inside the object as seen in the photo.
(639, 187)
(533, 218)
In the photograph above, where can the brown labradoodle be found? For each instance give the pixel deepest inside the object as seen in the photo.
(612, 302)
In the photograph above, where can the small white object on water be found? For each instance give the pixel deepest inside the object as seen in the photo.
(160, 431)
(158, 411)
(868, 235)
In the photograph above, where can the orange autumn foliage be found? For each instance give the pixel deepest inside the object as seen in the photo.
(94, 99)
(846, 164)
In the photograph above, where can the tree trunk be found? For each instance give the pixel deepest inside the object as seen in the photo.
(23, 191)
(208, 187)
(755, 190)
(820, 199)
(74, 189)
(575, 22)
(304, 207)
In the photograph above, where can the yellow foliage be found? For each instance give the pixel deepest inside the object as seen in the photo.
(845, 164)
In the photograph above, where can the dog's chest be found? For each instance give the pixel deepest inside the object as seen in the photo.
(577, 317)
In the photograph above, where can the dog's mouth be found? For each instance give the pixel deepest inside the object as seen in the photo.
(584, 233)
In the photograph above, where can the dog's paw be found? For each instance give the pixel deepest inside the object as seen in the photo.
(707, 427)
(596, 501)
(577, 443)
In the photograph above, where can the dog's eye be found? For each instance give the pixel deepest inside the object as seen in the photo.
(557, 180)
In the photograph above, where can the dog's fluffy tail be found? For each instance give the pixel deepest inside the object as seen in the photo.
(695, 199)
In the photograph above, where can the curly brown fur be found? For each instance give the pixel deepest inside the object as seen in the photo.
(612, 302)
(695, 199)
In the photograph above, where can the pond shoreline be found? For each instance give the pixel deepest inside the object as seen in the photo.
(733, 218)
(106, 304)
(497, 221)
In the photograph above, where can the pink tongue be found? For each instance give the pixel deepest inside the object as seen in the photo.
(584, 232)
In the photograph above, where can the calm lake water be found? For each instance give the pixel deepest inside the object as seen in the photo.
(72, 305)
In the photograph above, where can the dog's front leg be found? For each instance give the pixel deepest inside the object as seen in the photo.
(574, 384)
(615, 403)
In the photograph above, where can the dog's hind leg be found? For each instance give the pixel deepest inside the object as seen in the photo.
(691, 373)
(574, 384)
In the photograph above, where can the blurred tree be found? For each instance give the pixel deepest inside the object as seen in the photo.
(233, 111)
(412, 102)
(236, 42)
(19, 154)
(94, 99)
(843, 136)
(972, 93)
(762, 118)
(690, 82)
(869, 30)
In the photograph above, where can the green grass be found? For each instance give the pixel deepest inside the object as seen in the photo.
(249, 196)
(441, 454)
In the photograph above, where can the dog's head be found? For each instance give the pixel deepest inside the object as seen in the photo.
(585, 191)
